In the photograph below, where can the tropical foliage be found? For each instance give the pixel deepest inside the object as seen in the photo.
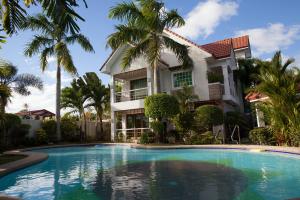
(53, 41)
(74, 99)
(13, 13)
(280, 83)
(143, 33)
(98, 96)
(208, 116)
(11, 81)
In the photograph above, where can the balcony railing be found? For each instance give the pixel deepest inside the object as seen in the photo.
(131, 95)
(130, 133)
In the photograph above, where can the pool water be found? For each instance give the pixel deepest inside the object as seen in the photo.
(121, 172)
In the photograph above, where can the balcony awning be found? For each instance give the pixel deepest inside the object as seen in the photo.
(139, 73)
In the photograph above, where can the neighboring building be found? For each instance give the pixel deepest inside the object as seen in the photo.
(211, 78)
(35, 114)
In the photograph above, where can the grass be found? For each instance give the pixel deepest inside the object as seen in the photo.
(9, 158)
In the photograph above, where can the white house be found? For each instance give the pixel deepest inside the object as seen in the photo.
(211, 78)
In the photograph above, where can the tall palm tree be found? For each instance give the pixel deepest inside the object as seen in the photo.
(53, 40)
(74, 98)
(98, 96)
(185, 97)
(143, 33)
(11, 81)
(13, 14)
(281, 83)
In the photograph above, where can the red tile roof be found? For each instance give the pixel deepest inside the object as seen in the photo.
(219, 49)
(252, 96)
(222, 48)
(42, 113)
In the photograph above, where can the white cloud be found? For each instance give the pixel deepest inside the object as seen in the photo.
(271, 38)
(64, 77)
(51, 59)
(37, 100)
(206, 16)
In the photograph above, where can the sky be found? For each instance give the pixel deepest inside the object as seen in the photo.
(271, 25)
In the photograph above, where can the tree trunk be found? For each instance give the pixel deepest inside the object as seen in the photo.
(58, 94)
(2, 106)
(155, 79)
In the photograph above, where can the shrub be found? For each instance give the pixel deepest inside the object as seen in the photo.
(144, 138)
(160, 106)
(49, 127)
(41, 136)
(213, 77)
(157, 126)
(184, 122)
(262, 136)
(69, 130)
(208, 115)
(119, 137)
(203, 138)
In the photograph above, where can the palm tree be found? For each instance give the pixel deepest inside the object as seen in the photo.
(280, 84)
(13, 14)
(53, 40)
(185, 97)
(98, 96)
(11, 81)
(73, 98)
(143, 33)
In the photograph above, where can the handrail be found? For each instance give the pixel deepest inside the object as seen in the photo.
(130, 95)
(236, 127)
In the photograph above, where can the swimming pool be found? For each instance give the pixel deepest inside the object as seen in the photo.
(121, 172)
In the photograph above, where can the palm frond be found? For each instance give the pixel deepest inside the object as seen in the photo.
(38, 42)
(46, 53)
(81, 40)
(172, 19)
(23, 81)
(134, 52)
(13, 16)
(181, 51)
(38, 23)
(64, 58)
(126, 34)
(7, 72)
(125, 11)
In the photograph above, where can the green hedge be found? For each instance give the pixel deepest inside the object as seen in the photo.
(262, 136)
(208, 115)
(160, 106)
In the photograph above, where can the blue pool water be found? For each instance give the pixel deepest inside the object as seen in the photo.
(120, 172)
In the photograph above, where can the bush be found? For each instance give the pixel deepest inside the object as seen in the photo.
(144, 138)
(208, 115)
(157, 126)
(184, 122)
(49, 127)
(204, 138)
(262, 136)
(69, 130)
(159, 106)
(119, 137)
(41, 137)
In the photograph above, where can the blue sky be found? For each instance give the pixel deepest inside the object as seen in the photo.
(271, 24)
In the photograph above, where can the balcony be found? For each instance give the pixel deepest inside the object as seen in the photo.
(131, 95)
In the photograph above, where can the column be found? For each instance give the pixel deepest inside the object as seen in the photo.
(226, 80)
(149, 80)
(113, 125)
(124, 131)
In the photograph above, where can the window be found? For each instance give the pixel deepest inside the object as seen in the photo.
(137, 121)
(138, 83)
(182, 78)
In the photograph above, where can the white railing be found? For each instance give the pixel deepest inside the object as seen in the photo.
(130, 133)
(131, 95)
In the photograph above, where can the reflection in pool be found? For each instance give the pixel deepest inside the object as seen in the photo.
(170, 180)
(120, 172)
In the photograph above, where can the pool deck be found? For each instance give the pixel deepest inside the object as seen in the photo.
(37, 157)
